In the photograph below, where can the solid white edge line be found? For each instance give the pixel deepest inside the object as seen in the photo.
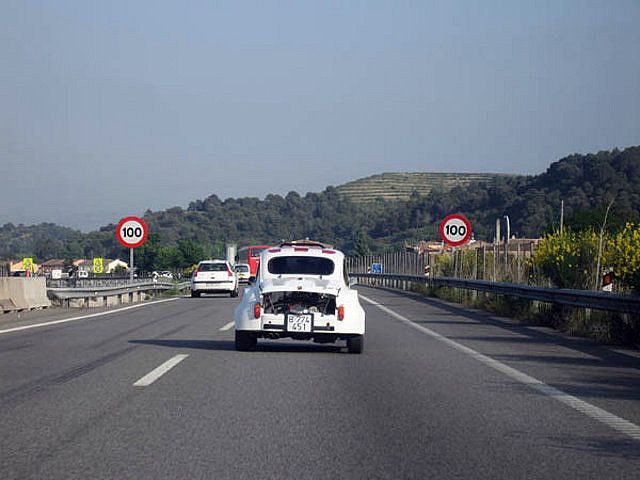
(156, 373)
(83, 317)
(227, 326)
(597, 413)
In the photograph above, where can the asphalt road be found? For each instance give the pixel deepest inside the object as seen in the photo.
(439, 392)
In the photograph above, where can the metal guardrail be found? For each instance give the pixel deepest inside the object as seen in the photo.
(86, 292)
(613, 302)
(95, 281)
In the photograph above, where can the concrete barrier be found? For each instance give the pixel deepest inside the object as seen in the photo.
(7, 303)
(23, 293)
(17, 293)
(36, 292)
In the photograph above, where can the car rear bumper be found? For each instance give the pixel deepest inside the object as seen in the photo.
(270, 326)
(213, 286)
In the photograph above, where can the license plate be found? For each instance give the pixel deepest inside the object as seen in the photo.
(299, 322)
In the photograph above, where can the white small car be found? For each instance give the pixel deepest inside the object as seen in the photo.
(243, 272)
(214, 276)
(301, 291)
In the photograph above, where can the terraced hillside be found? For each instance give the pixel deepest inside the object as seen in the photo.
(396, 186)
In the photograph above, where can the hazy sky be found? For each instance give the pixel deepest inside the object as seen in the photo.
(108, 108)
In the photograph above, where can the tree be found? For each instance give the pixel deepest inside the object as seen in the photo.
(191, 252)
(146, 256)
(361, 245)
(46, 249)
(72, 250)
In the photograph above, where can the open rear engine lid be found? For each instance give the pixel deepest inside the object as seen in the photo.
(307, 284)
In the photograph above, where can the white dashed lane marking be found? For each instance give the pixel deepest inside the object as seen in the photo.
(156, 373)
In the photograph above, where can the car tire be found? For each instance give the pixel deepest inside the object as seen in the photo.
(195, 294)
(245, 341)
(355, 344)
(234, 293)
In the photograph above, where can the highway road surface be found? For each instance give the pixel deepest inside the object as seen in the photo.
(158, 392)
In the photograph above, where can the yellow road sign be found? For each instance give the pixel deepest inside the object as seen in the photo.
(98, 265)
(27, 263)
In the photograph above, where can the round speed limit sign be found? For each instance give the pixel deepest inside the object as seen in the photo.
(132, 232)
(455, 230)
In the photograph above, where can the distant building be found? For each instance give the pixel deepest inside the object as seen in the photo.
(18, 266)
(425, 246)
(84, 266)
(438, 246)
(53, 264)
(111, 265)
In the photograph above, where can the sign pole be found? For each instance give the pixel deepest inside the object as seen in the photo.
(131, 232)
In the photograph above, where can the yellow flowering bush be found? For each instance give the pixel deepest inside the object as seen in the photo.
(623, 252)
(569, 259)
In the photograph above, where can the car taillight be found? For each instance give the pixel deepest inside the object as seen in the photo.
(340, 313)
(229, 271)
(257, 310)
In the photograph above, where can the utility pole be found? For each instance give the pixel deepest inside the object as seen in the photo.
(596, 285)
(506, 246)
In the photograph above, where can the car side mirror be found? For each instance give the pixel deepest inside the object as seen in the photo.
(353, 282)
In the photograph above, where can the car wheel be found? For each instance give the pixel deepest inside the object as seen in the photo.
(234, 293)
(355, 344)
(195, 294)
(245, 341)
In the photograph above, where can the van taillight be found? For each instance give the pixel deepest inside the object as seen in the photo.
(257, 310)
(340, 313)
(195, 273)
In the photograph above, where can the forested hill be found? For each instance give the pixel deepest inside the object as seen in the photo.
(586, 183)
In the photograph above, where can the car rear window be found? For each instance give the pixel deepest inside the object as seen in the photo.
(212, 267)
(300, 266)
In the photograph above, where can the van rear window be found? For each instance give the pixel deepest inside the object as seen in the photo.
(300, 266)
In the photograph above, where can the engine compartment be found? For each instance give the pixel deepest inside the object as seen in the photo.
(280, 303)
